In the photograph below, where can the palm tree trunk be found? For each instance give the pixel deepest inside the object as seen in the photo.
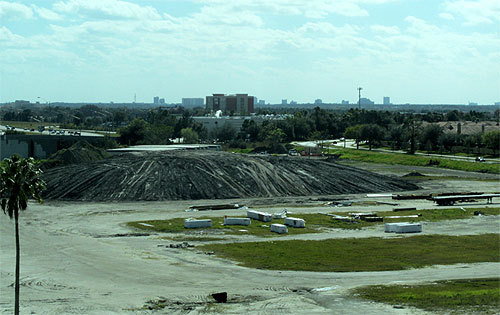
(18, 258)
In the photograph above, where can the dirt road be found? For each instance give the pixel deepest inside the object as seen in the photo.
(72, 264)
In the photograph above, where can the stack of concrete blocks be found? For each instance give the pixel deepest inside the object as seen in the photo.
(261, 216)
(279, 228)
(194, 224)
(295, 222)
(236, 221)
(403, 227)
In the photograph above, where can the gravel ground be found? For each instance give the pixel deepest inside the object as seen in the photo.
(72, 264)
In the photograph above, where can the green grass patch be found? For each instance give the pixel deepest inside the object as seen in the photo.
(464, 296)
(363, 254)
(429, 178)
(415, 160)
(315, 222)
(256, 228)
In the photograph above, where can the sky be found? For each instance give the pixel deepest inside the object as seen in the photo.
(414, 51)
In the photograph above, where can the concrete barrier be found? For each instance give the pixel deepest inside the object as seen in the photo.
(194, 224)
(403, 227)
(236, 221)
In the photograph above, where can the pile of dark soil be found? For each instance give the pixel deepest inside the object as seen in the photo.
(80, 152)
(208, 175)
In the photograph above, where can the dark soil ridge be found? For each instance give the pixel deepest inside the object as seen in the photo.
(209, 175)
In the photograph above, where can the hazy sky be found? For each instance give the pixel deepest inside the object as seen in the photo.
(415, 51)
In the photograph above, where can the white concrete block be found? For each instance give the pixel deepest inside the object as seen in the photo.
(295, 222)
(408, 228)
(261, 216)
(193, 224)
(389, 227)
(237, 221)
(279, 228)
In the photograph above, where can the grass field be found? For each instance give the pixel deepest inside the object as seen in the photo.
(315, 222)
(363, 254)
(414, 160)
(461, 296)
(255, 228)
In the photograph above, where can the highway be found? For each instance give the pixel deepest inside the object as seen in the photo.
(351, 144)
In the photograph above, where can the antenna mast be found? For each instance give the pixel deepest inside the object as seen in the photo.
(359, 97)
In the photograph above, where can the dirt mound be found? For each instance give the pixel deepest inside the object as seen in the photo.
(80, 152)
(208, 175)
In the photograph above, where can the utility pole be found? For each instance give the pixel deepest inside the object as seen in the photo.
(359, 97)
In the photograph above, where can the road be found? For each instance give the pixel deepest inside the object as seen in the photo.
(67, 132)
(351, 144)
(73, 262)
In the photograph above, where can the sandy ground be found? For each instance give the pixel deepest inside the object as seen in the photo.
(72, 262)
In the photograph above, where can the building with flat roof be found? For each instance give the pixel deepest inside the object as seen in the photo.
(192, 101)
(387, 100)
(318, 101)
(240, 104)
(366, 101)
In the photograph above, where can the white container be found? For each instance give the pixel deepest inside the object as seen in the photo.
(236, 221)
(261, 216)
(194, 224)
(279, 228)
(390, 227)
(295, 222)
(408, 228)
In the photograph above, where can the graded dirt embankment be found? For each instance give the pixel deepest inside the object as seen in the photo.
(209, 175)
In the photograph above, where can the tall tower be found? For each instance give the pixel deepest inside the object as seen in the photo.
(359, 97)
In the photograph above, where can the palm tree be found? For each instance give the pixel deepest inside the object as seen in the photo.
(19, 180)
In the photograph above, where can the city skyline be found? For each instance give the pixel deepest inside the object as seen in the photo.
(419, 52)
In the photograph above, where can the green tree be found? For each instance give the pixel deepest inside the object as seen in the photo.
(274, 140)
(372, 133)
(430, 135)
(354, 132)
(19, 180)
(412, 126)
(135, 132)
(189, 135)
(491, 140)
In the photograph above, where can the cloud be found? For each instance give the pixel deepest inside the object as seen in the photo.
(6, 36)
(391, 30)
(47, 14)
(109, 8)
(12, 9)
(475, 12)
(446, 16)
(315, 9)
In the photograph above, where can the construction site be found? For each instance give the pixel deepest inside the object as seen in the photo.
(150, 232)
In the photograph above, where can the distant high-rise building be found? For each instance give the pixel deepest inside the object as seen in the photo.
(293, 103)
(156, 100)
(162, 101)
(262, 102)
(192, 102)
(387, 100)
(318, 101)
(236, 103)
(366, 101)
(497, 103)
(284, 102)
(345, 102)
